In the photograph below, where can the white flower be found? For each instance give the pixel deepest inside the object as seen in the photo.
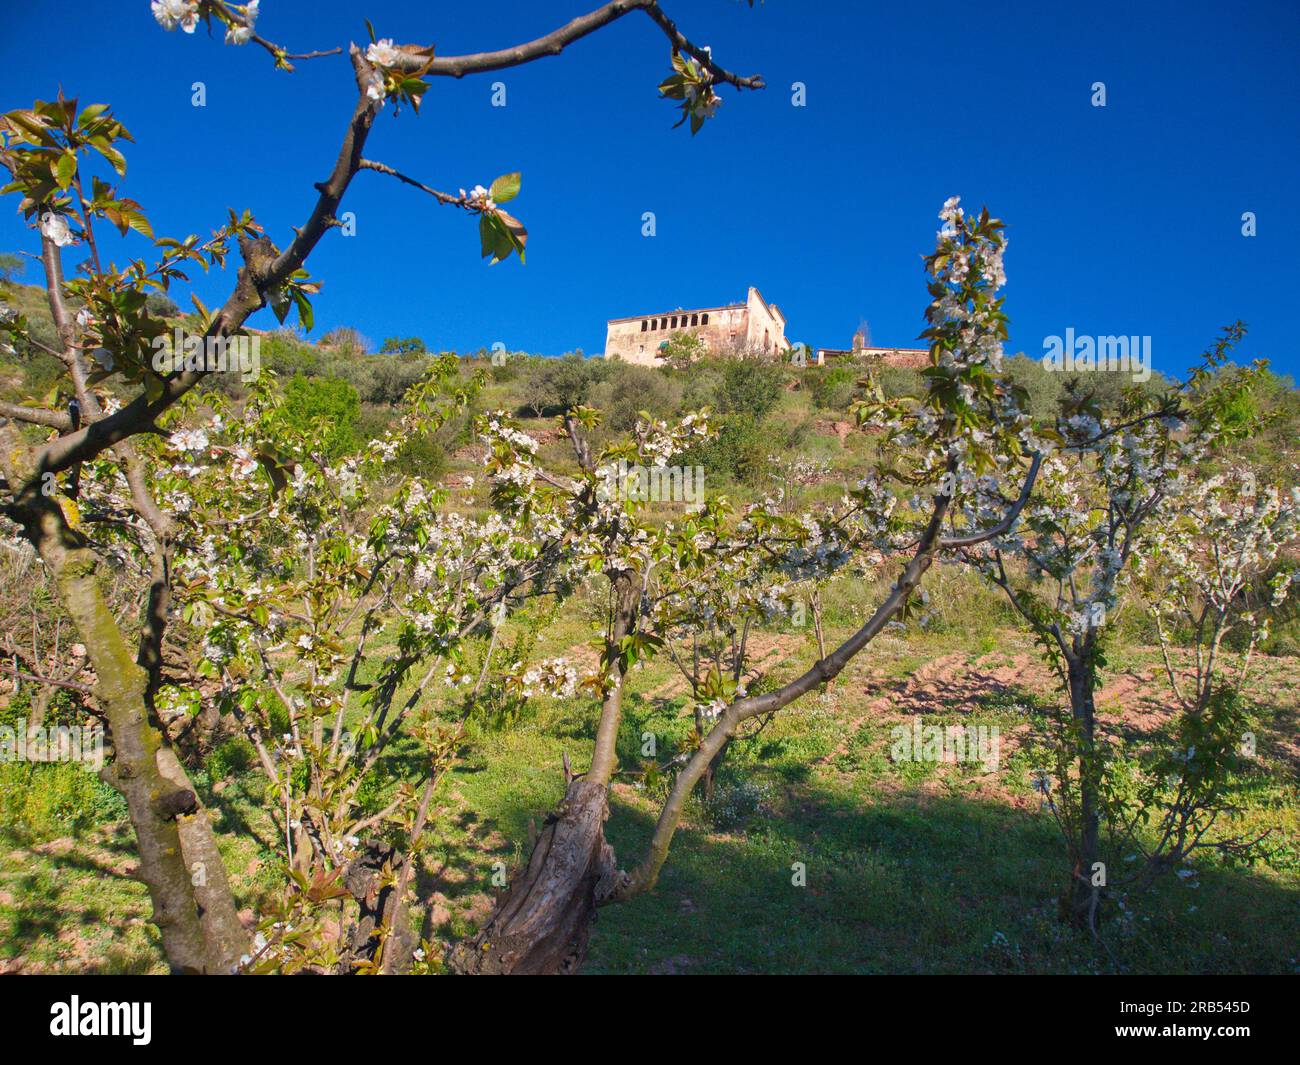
(375, 86)
(189, 440)
(243, 34)
(383, 53)
(173, 13)
(55, 227)
(305, 641)
(478, 197)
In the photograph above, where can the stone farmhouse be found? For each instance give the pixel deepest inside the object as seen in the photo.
(754, 325)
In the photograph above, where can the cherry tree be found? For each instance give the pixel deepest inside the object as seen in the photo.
(105, 327)
(1120, 492)
(969, 426)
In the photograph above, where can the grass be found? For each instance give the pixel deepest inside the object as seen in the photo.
(906, 866)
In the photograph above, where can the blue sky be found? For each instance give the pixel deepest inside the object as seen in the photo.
(1122, 220)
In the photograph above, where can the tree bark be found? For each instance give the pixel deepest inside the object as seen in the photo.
(200, 933)
(1083, 897)
(543, 925)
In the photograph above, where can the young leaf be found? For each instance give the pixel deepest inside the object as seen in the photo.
(505, 188)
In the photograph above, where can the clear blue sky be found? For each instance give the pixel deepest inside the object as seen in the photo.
(1123, 219)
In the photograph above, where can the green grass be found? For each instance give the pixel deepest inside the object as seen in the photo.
(910, 866)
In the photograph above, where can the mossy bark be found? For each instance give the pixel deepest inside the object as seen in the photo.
(179, 862)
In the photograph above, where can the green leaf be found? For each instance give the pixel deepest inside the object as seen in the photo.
(66, 169)
(506, 187)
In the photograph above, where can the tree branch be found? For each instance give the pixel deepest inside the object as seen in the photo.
(556, 41)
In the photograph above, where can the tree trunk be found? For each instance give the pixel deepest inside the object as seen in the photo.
(1083, 897)
(179, 863)
(542, 926)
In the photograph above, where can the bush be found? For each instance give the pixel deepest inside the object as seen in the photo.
(230, 756)
(630, 389)
(162, 305)
(553, 386)
(381, 379)
(288, 354)
(738, 453)
(749, 388)
(324, 411)
(896, 381)
(421, 455)
(832, 387)
(735, 804)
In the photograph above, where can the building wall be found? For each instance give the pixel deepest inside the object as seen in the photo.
(912, 358)
(766, 324)
(740, 325)
(637, 340)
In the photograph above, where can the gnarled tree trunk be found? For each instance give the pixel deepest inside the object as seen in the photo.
(542, 926)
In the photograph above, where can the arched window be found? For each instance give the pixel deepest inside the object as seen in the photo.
(644, 325)
(663, 323)
(704, 319)
(695, 319)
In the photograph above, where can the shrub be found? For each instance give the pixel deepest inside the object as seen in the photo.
(739, 452)
(287, 354)
(230, 756)
(896, 381)
(553, 386)
(162, 305)
(324, 411)
(421, 455)
(749, 388)
(630, 389)
(736, 804)
(832, 387)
